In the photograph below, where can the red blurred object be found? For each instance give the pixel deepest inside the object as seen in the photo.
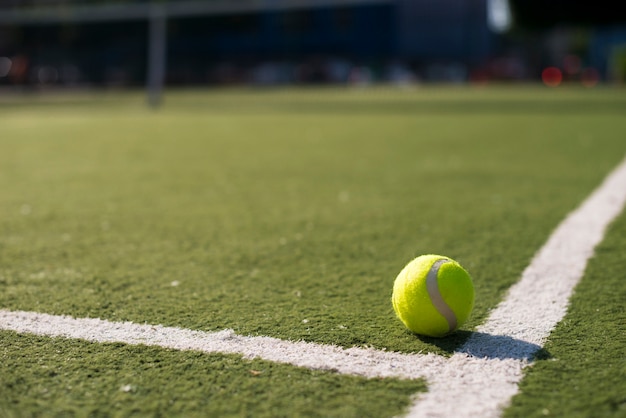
(551, 76)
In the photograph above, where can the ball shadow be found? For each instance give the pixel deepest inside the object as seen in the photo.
(483, 345)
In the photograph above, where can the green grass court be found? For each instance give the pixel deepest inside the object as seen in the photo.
(288, 213)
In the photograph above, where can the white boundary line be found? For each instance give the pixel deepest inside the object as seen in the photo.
(368, 363)
(477, 381)
(522, 322)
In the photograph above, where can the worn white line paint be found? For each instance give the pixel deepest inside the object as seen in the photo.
(477, 381)
(355, 361)
(522, 322)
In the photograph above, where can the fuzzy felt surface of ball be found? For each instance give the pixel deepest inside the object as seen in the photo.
(433, 295)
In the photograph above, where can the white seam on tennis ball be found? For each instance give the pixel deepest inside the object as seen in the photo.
(432, 286)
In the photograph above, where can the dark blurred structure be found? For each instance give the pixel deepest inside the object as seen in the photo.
(118, 43)
(549, 13)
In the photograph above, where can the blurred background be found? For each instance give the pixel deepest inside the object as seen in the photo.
(77, 44)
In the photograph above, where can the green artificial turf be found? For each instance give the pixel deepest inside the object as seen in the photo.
(583, 373)
(285, 213)
(282, 222)
(44, 377)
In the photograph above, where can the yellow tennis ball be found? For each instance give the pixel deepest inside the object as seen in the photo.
(433, 295)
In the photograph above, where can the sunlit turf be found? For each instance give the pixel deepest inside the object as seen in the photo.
(55, 377)
(583, 371)
(284, 223)
(284, 213)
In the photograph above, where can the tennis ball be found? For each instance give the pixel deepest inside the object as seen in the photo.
(433, 295)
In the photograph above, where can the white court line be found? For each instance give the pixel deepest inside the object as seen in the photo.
(477, 381)
(364, 362)
(522, 322)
